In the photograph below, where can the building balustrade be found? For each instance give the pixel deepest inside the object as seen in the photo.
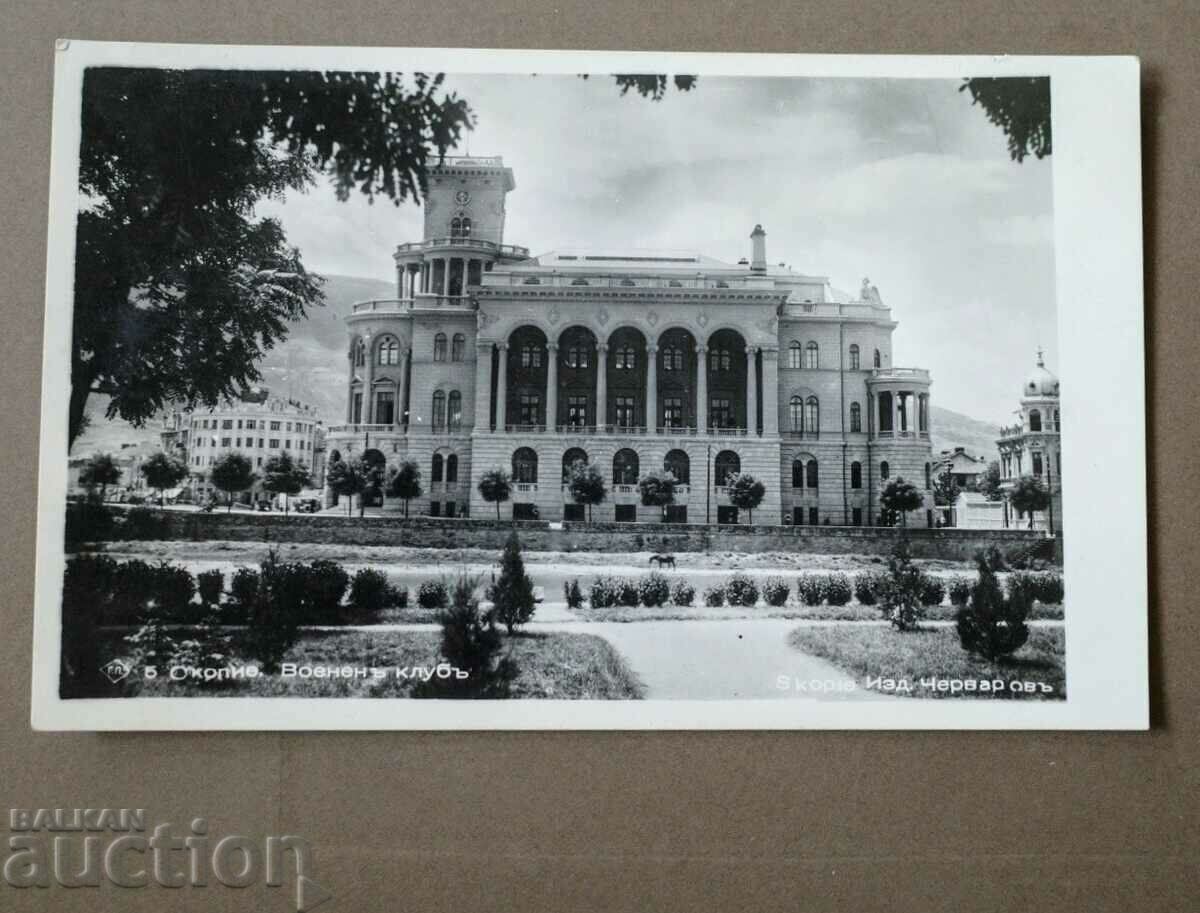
(361, 428)
(504, 250)
(801, 435)
(628, 431)
(526, 487)
(419, 300)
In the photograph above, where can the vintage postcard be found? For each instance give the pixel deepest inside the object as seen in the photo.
(436, 389)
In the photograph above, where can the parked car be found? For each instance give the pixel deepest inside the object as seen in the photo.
(306, 505)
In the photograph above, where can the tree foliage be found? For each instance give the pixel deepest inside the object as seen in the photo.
(658, 489)
(354, 476)
(512, 597)
(901, 496)
(1029, 495)
(179, 289)
(1020, 106)
(586, 484)
(405, 483)
(162, 471)
(100, 469)
(990, 623)
(746, 492)
(231, 473)
(282, 475)
(945, 489)
(988, 484)
(495, 487)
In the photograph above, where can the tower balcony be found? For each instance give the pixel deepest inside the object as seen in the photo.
(417, 249)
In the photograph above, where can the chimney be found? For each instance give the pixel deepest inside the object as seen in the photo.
(758, 259)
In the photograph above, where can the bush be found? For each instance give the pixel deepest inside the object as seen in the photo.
(714, 595)
(243, 591)
(654, 590)
(470, 644)
(276, 613)
(432, 594)
(322, 585)
(370, 591)
(990, 624)
(867, 586)
(87, 586)
(995, 558)
(810, 589)
(572, 593)
(775, 591)
(1049, 588)
(88, 521)
(683, 593)
(900, 594)
(933, 590)
(627, 592)
(210, 585)
(141, 590)
(741, 590)
(513, 598)
(960, 590)
(837, 589)
(397, 597)
(144, 523)
(604, 592)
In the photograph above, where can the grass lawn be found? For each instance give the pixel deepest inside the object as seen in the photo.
(851, 612)
(564, 666)
(864, 651)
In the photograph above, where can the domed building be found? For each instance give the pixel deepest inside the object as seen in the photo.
(634, 360)
(1032, 446)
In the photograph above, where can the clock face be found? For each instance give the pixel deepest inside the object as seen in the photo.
(462, 197)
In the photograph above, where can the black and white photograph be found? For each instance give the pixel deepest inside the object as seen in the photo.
(467, 389)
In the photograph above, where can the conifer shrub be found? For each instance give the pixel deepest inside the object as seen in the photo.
(210, 585)
(775, 591)
(810, 588)
(276, 613)
(513, 602)
(572, 593)
(470, 646)
(683, 593)
(714, 596)
(654, 590)
(432, 594)
(243, 592)
(838, 589)
(741, 590)
(933, 590)
(992, 624)
(960, 590)
(900, 592)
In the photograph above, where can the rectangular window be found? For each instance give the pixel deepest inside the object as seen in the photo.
(574, 513)
(287, 444)
(249, 424)
(260, 443)
(225, 442)
(672, 412)
(239, 442)
(856, 516)
(626, 513)
(435, 508)
(531, 409)
(577, 411)
(227, 424)
(727, 515)
(258, 461)
(797, 516)
(720, 414)
(274, 442)
(677, 513)
(274, 426)
(289, 427)
(356, 410)
(813, 518)
(624, 411)
(450, 508)
(239, 424)
(385, 407)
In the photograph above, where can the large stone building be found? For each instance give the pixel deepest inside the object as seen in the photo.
(1033, 446)
(632, 359)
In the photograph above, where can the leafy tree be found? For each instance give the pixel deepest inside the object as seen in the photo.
(352, 477)
(746, 492)
(231, 473)
(512, 596)
(405, 483)
(945, 489)
(163, 471)
(989, 623)
(495, 487)
(988, 484)
(1020, 106)
(658, 490)
(282, 475)
(101, 469)
(585, 482)
(901, 496)
(179, 289)
(1029, 495)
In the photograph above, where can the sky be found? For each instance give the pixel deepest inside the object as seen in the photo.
(902, 181)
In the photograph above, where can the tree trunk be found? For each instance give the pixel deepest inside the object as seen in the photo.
(349, 505)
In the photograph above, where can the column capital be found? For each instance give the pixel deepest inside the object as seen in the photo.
(602, 347)
(701, 349)
(552, 346)
(652, 349)
(502, 346)
(770, 351)
(750, 350)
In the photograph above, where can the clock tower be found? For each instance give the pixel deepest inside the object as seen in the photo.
(465, 198)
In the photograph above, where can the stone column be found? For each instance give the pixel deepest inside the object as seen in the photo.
(770, 359)
(751, 392)
(651, 389)
(502, 389)
(368, 380)
(552, 386)
(350, 387)
(402, 387)
(602, 384)
(483, 385)
(702, 389)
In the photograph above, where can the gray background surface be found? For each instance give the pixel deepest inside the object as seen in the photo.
(654, 822)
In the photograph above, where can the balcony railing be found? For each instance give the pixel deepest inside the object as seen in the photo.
(899, 373)
(363, 429)
(503, 250)
(801, 435)
(402, 305)
(624, 431)
(902, 435)
(526, 487)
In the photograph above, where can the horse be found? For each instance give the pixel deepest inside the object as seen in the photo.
(663, 560)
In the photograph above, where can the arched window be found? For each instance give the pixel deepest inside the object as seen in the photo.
(466, 227)
(812, 356)
(855, 417)
(570, 458)
(856, 475)
(854, 357)
(884, 470)
(679, 465)
(439, 347)
(795, 355)
(435, 474)
(625, 467)
(389, 351)
(1037, 463)
(458, 347)
(928, 476)
(531, 356)
(452, 468)
(439, 410)
(672, 359)
(455, 410)
(1035, 420)
(878, 360)
(885, 411)
(456, 227)
(797, 473)
(1057, 426)
(812, 413)
(796, 410)
(728, 463)
(525, 466)
(360, 353)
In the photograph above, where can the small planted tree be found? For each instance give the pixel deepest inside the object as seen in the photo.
(513, 593)
(495, 487)
(347, 478)
(945, 489)
(1028, 496)
(163, 471)
(231, 473)
(405, 483)
(988, 484)
(102, 470)
(658, 490)
(746, 492)
(282, 475)
(991, 624)
(586, 484)
(471, 645)
(900, 591)
(900, 496)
